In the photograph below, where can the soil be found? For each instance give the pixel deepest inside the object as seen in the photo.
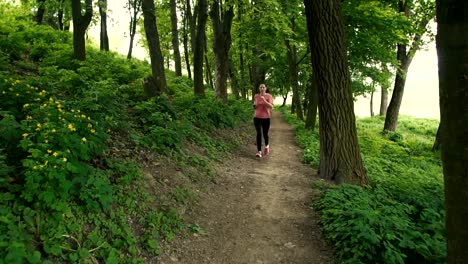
(257, 211)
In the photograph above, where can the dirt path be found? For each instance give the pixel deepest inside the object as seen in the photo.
(258, 212)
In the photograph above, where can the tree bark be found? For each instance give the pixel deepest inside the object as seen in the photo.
(371, 106)
(340, 157)
(198, 54)
(152, 36)
(311, 118)
(452, 50)
(383, 101)
(80, 24)
(104, 38)
(175, 39)
(221, 17)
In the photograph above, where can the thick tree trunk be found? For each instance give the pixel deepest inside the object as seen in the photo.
(152, 36)
(311, 118)
(340, 157)
(175, 39)
(221, 45)
(383, 101)
(198, 55)
(80, 24)
(452, 50)
(104, 38)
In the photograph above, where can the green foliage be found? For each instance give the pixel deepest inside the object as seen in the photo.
(399, 218)
(65, 196)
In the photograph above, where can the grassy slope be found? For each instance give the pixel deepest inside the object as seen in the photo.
(90, 170)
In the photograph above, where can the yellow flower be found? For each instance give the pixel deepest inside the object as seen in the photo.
(35, 168)
(25, 135)
(49, 151)
(28, 117)
(93, 131)
(83, 139)
(17, 94)
(64, 159)
(55, 154)
(46, 141)
(71, 127)
(90, 125)
(83, 116)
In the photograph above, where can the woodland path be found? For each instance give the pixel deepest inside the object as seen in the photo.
(258, 212)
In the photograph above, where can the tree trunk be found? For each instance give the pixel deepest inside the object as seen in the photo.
(185, 31)
(198, 54)
(62, 25)
(175, 39)
(340, 157)
(208, 75)
(40, 11)
(104, 38)
(391, 119)
(152, 36)
(221, 45)
(134, 10)
(452, 50)
(371, 104)
(243, 82)
(404, 59)
(80, 24)
(311, 118)
(234, 82)
(383, 101)
(294, 78)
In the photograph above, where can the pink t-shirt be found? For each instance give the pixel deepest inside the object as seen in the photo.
(262, 110)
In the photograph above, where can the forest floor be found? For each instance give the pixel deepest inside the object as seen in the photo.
(256, 211)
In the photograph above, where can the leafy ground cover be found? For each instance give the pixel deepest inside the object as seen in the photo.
(73, 135)
(399, 217)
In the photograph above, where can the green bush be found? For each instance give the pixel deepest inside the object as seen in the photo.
(399, 218)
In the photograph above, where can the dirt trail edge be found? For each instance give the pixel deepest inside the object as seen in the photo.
(258, 212)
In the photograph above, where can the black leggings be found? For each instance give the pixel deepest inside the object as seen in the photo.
(262, 125)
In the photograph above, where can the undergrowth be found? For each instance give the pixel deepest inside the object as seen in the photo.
(67, 194)
(399, 217)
